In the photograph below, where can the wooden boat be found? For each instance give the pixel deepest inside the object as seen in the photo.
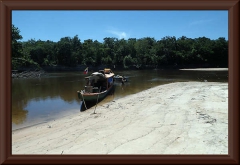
(120, 78)
(98, 85)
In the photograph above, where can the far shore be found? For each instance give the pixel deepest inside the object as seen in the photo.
(59, 68)
(175, 118)
(207, 69)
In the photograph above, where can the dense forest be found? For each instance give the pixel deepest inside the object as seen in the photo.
(131, 53)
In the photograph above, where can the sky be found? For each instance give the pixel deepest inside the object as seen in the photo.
(96, 25)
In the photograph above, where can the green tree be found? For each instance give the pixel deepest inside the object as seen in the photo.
(109, 46)
(16, 48)
(16, 45)
(88, 52)
(184, 50)
(64, 51)
(203, 51)
(77, 50)
(144, 50)
(220, 56)
(121, 50)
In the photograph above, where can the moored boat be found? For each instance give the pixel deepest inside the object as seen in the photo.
(98, 85)
(120, 78)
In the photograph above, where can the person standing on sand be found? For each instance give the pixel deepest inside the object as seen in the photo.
(123, 80)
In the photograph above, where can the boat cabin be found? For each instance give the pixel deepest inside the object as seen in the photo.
(99, 81)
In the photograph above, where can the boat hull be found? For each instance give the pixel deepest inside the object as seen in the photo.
(92, 97)
(120, 79)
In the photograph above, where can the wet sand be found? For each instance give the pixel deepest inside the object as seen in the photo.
(175, 118)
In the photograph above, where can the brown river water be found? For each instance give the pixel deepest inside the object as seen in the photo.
(54, 95)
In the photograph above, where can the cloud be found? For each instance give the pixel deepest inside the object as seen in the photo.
(119, 34)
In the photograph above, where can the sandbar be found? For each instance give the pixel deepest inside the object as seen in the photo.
(206, 69)
(175, 118)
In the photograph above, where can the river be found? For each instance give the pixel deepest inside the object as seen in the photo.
(54, 95)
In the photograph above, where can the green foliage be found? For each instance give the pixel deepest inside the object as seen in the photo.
(18, 57)
(127, 61)
(16, 45)
(126, 53)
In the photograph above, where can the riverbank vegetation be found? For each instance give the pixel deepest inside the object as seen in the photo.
(130, 53)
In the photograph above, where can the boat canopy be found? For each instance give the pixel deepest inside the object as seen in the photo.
(107, 71)
(97, 74)
(101, 75)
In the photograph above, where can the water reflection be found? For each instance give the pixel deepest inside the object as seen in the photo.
(19, 115)
(42, 99)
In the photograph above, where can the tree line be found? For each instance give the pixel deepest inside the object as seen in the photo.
(169, 51)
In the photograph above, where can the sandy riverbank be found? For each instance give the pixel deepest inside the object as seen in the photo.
(207, 69)
(176, 118)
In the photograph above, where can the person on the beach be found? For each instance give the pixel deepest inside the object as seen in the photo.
(123, 80)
